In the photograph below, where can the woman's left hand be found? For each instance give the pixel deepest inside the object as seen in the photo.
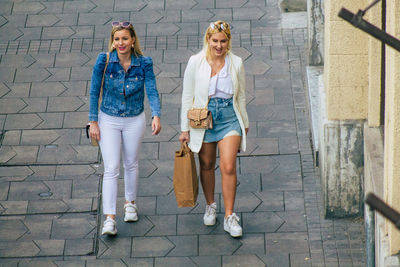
(155, 125)
(247, 130)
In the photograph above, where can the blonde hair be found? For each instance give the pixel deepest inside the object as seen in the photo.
(135, 50)
(216, 27)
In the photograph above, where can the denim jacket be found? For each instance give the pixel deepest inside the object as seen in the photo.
(123, 92)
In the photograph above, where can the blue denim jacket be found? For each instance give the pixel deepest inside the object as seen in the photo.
(123, 93)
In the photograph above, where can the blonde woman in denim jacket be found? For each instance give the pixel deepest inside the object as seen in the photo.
(215, 78)
(121, 119)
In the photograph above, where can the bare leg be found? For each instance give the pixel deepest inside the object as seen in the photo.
(228, 148)
(207, 158)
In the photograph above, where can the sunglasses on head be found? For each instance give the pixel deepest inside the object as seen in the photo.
(220, 27)
(124, 24)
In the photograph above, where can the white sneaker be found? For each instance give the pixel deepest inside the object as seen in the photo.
(109, 227)
(231, 225)
(130, 212)
(210, 215)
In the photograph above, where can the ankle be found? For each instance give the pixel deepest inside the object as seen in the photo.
(111, 216)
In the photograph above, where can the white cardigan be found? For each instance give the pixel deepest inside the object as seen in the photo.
(195, 92)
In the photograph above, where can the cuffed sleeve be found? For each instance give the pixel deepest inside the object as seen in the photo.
(187, 93)
(151, 87)
(95, 85)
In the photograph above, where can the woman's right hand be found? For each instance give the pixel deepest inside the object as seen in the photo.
(184, 137)
(94, 130)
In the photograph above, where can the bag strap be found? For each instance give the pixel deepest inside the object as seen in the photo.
(206, 103)
(102, 80)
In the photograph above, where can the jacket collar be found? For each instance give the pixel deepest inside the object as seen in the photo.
(114, 58)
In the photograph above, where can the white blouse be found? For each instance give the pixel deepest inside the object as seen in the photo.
(221, 84)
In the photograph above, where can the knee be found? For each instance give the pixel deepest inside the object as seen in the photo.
(131, 165)
(111, 172)
(207, 166)
(228, 169)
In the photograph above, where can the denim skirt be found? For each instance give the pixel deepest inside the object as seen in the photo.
(225, 122)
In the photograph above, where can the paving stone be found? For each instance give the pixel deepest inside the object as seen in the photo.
(151, 246)
(15, 171)
(242, 260)
(295, 221)
(163, 225)
(21, 121)
(11, 138)
(264, 146)
(24, 154)
(167, 29)
(7, 153)
(85, 188)
(50, 247)
(271, 201)
(260, 222)
(196, 15)
(248, 183)
(58, 74)
(63, 103)
(68, 171)
(32, 75)
(18, 249)
(78, 247)
(12, 230)
(16, 89)
(81, 73)
(287, 181)
(13, 207)
(275, 258)
(34, 105)
(41, 20)
(294, 242)
(117, 247)
(38, 137)
(46, 206)
(75, 119)
(4, 188)
(26, 190)
(105, 263)
(71, 228)
(217, 245)
(149, 151)
(193, 224)
(139, 262)
(47, 89)
(56, 33)
(184, 246)
(27, 8)
(244, 202)
(167, 205)
(50, 120)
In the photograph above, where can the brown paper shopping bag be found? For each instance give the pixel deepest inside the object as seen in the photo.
(186, 184)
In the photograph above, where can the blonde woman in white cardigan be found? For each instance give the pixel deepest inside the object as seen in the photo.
(215, 78)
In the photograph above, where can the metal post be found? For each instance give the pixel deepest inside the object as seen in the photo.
(370, 235)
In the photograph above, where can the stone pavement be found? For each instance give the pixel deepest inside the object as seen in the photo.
(50, 177)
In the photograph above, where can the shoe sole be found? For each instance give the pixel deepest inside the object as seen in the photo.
(109, 233)
(234, 234)
(131, 220)
(209, 224)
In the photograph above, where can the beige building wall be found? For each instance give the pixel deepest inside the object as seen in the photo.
(374, 16)
(392, 122)
(346, 64)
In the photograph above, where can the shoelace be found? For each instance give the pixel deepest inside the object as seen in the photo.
(210, 210)
(108, 222)
(130, 208)
(234, 220)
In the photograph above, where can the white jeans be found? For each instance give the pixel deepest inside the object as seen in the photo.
(113, 131)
